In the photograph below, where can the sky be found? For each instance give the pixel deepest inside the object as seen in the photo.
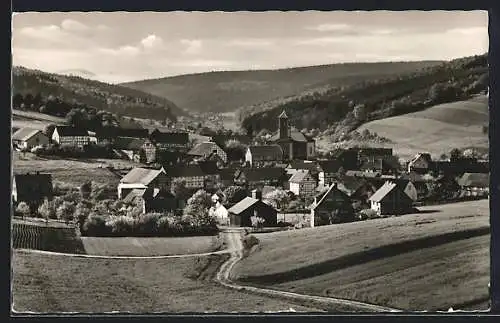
(125, 46)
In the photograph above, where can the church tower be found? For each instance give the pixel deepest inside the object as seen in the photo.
(284, 128)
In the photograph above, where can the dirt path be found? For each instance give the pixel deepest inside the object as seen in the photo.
(233, 239)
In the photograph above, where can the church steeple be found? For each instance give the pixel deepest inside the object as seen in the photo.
(284, 128)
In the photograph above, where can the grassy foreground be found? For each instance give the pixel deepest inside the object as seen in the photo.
(131, 246)
(424, 261)
(43, 283)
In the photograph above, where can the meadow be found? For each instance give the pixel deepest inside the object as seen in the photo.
(426, 261)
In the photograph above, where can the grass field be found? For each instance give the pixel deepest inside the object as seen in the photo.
(44, 283)
(436, 130)
(399, 261)
(149, 246)
(70, 171)
(35, 120)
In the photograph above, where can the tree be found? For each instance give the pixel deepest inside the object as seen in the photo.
(47, 210)
(66, 211)
(17, 99)
(455, 153)
(82, 212)
(49, 130)
(76, 118)
(234, 194)
(179, 189)
(235, 150)
(360, 112)
(86, 190)
(197, 208)
(443, 157)
(278, 198)
(23, 209)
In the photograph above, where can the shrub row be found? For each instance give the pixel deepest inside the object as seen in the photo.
(89, 151)
(147, 225)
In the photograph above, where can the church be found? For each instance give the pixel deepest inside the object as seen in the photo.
(295, 145)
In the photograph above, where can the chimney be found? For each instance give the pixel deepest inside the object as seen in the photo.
(257, 194)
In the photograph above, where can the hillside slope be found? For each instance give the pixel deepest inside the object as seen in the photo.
(227, 91)
(341, 109)
(437, 129)
(111, 98)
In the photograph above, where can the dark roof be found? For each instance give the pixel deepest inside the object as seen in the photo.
(141, 175)
(203, 149)
(273, 151)
(113, 132)
(36, 184)
(191, 170)
(474, 180)
(180, 138)
(350, 184)
(262, 174)
(24, 134)
(379, 164)
(294, 136)
(127, 143)
(321, 196)
(300, 164)
(65, 131)
(373, 151)
(227, 173)
(329, 166)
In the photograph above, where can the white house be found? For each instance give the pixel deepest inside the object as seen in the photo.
(142, 178)
(66, 135)
(218, 211)
(302, 183)
(27, 138)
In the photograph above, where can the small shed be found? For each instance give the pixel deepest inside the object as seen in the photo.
(391, 199)
(241, 213)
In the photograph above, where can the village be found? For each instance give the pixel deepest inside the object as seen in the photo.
(280, 183)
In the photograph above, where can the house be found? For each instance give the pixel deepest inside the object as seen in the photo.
(295, 144)
(302, 183)
(348, 158)
(70, 136)
(459, 166)
(108, 135)
(256, 156)
(295, 165)
(421, 163)
(142, 178)
(358, 189)
(420, 182)
(218, 211)
(196, 176)
(32, 189)
(391, 199)
(372, 153)
(204, 150)
(474, 184)
(151, 200)
(328, 169)
(383, 166)
(259, 177)
(170, 141)
(27, 138)
(242, 212)
(132, 149)
(331, 206)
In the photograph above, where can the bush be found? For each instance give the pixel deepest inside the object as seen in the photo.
(249, 241)
(147, 224)
(95, 226)
(121, 225)
(368, 214)
(66, 211)
(257, 222)
(23, 209)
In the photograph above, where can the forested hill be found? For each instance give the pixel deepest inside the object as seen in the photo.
(75, 90)
(229, 90)
(340, 109)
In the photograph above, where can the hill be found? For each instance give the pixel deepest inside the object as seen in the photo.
(72, 89)
(427, 261)
(230, 90)
(338, 110)
(437, 129)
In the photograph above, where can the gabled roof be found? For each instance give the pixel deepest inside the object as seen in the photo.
(197, 170)
(140, 175)
(283, 115)
(383, 191)
(113, 132)
(322, 195)
(262, 174)
(294, 136)
(272, 151)
(24, 134)
(33, 183)
(227, 173)
(69, 131)
(425, 156)
(299, 176)
(474, 180)
(350, 184)
(127, 143)
(243, 205)
(203, 149)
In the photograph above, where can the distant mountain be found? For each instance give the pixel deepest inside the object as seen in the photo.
(231, 90)
(339, 109)
(102, 96)
(78, 72)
